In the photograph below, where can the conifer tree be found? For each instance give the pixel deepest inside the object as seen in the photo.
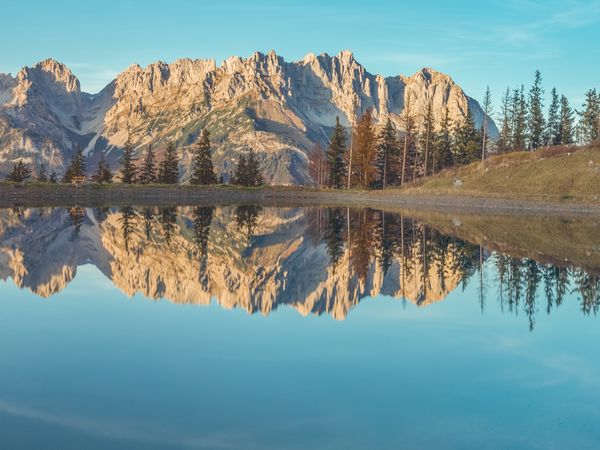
(148, 170)
(53, 178)
(388, 150)
(77, 166)
(19, 173)
(504, 139)
(552, 136)
(408, 122)
(466, 140)
(536, 122)
(168, 171)
(42, 175)
(103, 173)
(254, 174)
(443, 143)
(567, 122)
(128, 167)
(427, 136)
(240, 176)
(203, 171)
(519, 122)
(589, 122)
(365, 149)
(487, 112)
(335, 156)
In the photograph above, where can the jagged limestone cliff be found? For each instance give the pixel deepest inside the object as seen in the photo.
(278, 108)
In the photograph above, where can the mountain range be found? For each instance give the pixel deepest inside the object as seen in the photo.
(280, 109)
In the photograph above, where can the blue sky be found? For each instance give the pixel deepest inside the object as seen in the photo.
(499, 42)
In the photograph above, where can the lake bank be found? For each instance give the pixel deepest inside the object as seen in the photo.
(34, 194)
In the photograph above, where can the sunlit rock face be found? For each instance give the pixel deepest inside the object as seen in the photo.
(279, 108)
(245, 257)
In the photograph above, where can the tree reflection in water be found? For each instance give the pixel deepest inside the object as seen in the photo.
(316, 259)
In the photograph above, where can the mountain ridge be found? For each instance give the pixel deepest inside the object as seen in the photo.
(279, 108)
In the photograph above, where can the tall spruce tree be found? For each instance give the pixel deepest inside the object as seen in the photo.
(567, 122)
(589, 117)
(203, 172)
(519, 120)
(388, 150)
(77, 167)
(240, 176)
(168, 170)
(148, 170)
(426, 138)
(255, 175)
(552, 136)
(466, 140)
(487, 112)
(408, 122)
(504, 143)
(536, 121)
(335, 156)
(443, 143)
(128, 167)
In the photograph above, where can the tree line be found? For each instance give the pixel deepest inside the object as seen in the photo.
(149, 170)
(377, 157)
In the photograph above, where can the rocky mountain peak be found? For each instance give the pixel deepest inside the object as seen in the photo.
(50, 71)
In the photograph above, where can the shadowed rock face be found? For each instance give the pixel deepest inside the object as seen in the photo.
(279, 108)
(245, 257)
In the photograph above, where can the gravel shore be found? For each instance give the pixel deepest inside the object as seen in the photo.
(93, 195)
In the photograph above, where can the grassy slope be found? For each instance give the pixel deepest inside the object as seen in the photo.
(541, 175)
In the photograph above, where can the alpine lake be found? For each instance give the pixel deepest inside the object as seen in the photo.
(255, 327)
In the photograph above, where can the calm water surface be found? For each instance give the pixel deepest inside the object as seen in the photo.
(262, 328)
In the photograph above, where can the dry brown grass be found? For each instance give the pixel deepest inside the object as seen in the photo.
(554, 173)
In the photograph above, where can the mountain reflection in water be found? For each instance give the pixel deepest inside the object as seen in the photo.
(316, 260)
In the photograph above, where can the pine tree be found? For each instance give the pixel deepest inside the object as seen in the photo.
(42, 175)
(53, 178)
(552, 136)
(466, 140)
(487, 112)
(408, 122)
(504, 143)
(388, 150)
(148, 170)
(335, 156)
(255, 176)
(427, 135)
(443, 143)
(567, 121)
(365, 149)
(77, 166)
(536, 122)
(168, 171)
(203, 171)
(240, 176)
(589, 122)
(519, 122)
(19, 173)
(128, 167)
(103, 173)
